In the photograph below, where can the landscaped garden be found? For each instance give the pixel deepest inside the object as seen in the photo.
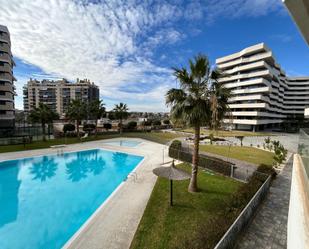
(163, 226)
(243, 153)
(233, 133)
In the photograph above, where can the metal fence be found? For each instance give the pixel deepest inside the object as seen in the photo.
(303, 149)
(213, 164)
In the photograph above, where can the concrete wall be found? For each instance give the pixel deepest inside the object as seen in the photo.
(298, 220)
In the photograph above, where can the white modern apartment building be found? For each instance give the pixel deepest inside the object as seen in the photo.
(58, 94)
(262, 95)
(7, 89)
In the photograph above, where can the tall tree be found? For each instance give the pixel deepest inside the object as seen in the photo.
(97, 111)
(190, 104)
(43, 115)
(121, 113)
(77, 111)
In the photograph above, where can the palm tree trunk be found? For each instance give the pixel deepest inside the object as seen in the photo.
(96, 128)
(120, 128)
(43, 131)
(77, 128)
(193, 182)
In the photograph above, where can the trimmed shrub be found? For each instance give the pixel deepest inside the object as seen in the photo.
(88, 127)
(68, 127)
(131, 125)
(166, 122)
(107, 126)
(156, 123)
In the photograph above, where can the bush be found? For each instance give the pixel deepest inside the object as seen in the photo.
(156, 123)
(166, 122)
(88, 127)
(131, 125)
(68, 127)
(107, 126)
(263, 168)
(147, 123)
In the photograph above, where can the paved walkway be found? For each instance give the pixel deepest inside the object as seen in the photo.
(269, 227)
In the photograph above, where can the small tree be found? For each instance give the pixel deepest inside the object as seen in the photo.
(44, 115)
(77, 111)
(211, 137)
(89, 127)
(240, 138)
(121, 112)
(132, 125)
(97, 111)
(68, 127)
(107, 126)
(157, 122)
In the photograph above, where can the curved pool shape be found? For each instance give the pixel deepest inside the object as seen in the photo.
(45, 200)
(125, 143)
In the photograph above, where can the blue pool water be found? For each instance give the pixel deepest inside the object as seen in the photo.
(45, 200)
(125, 143)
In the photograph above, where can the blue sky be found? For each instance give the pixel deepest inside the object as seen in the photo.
(128, 47)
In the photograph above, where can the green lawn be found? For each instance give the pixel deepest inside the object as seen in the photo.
(221, 133)
(165, 227)
(158, 137)
(248, 154)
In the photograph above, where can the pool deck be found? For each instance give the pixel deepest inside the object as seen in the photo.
(114, 224)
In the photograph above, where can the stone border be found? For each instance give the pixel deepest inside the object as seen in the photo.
(228, 239)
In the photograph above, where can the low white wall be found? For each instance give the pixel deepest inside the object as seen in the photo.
(298, 220)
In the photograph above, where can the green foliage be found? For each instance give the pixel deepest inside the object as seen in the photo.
(107, 126)
(166, 122)
(77, 110)
(131, 125)
(209, 231)
(111, 116)
(96, 109)
(121, 111)
(89, 127)
(156, 122)
(147, 122)
(68, 127)
(44, 115)
(211, 138)
(193, 103)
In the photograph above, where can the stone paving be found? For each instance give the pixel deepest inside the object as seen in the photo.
(269, 227)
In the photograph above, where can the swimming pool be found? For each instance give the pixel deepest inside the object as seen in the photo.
(125, 143)
(45, 200)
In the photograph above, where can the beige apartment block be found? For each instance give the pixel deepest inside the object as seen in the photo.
(7, 89)
(262, 95)
(58, 94)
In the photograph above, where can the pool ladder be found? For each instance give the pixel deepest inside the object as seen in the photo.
(132, 174)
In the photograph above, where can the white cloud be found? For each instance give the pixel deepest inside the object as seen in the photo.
(110, 42)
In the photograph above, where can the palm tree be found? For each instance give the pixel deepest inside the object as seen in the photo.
(44, 115)
(191, 102)
(97, 110)
(121, 112)
(77, 111)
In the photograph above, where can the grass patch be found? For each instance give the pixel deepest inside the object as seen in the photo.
(230, 133)
(165, 227)
(159, 137)
(248, 154)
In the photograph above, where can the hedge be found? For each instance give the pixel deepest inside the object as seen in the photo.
(214, 164)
